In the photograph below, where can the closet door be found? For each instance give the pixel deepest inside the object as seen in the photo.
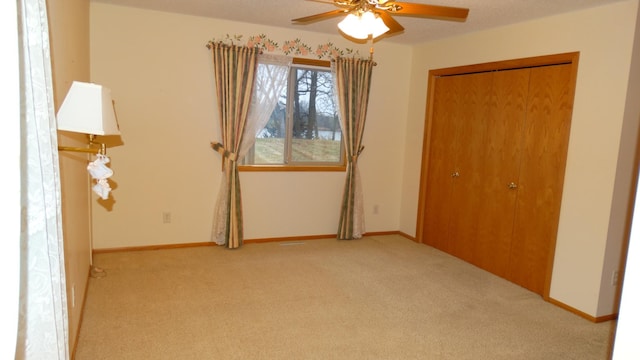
(501, 158)
(442, 155)
(466, 198)
(457, 136)
(546, 135)
(494, 173)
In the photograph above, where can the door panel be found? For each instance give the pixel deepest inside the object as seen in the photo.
(541, 175)
(466, 199)
(500, 167)
(442, 154)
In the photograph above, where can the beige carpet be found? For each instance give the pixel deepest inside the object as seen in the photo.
(381, 297)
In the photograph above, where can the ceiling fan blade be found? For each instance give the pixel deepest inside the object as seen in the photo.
(430, 11)
(391, 23)
(321, 16)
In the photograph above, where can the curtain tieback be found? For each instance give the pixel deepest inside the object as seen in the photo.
(354, 158)
(224, 152)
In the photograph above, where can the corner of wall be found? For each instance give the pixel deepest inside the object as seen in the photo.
(68, 33)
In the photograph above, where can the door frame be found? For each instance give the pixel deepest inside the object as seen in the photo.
(544, 60)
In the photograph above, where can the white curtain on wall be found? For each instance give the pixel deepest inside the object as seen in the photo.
(42, 320)
(270, 81)
(10, 181)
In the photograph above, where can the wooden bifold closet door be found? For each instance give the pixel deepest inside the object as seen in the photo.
(495, 169)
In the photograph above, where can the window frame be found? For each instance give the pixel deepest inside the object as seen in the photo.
(342, 166)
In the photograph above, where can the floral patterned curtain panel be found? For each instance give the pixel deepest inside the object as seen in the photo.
(234, 68)
(353, 82)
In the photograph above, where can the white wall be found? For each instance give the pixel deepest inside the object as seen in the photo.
(626, 173)
(161, 78)
(69, 37)
(626, 344)
(604, 37)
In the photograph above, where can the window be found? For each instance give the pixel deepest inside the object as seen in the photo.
(303, 131)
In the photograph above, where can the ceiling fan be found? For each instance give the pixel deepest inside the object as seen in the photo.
(362, 13)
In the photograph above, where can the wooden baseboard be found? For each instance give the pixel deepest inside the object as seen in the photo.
(594, 319)
(412, 238)
(289, 238)
(383, 233)
(153, 247)
(247, 241)
(318, 237)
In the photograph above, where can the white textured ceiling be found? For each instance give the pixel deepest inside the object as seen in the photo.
(483, 14)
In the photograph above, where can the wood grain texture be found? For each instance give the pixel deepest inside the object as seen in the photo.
(493, 128)
(501, 160)
(472, 116)
(542, 174)
(442, 152)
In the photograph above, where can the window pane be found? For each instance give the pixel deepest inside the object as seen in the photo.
(270, 142)
(316, 131)
(304, 128)
(315, 150)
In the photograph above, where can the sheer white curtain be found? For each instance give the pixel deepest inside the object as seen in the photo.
(10, 181)
(271, 80)
(42, 321)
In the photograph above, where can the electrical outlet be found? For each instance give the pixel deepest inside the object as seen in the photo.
(166, 217)
(375, 209)
(615, 278)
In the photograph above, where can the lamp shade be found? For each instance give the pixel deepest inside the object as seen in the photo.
(88, 109)
(362, 25)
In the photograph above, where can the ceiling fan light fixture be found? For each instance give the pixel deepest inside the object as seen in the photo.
(374, 24)
(362, 25)
(351, 26)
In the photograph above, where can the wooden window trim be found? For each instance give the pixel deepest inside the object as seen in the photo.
(300, 168)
